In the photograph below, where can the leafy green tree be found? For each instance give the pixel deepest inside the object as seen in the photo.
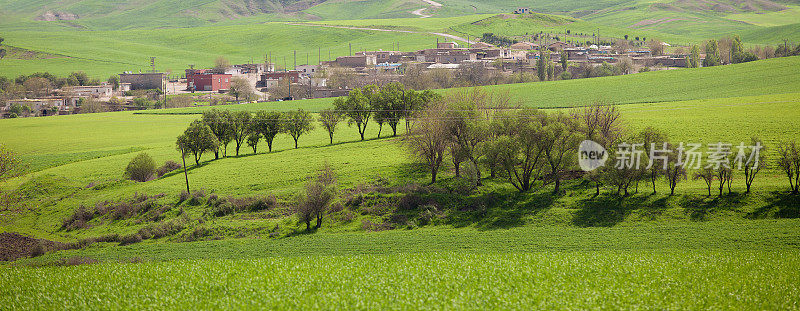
(329, 119)
(240, 127)
(653, 140)
(564, 60)
(197, 139)
(2, 50)
(218, 122)
(559, 144)
(357, 109)
(519, 155)
(114, 81)
(428, 139)
(269, 124)
(297, 123)
(712, 54)
(11, 164)
(694, 57)
(252, 141)
(80, 77)
(392, 103)
(542, 64)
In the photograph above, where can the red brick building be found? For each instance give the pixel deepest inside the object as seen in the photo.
(206, 81)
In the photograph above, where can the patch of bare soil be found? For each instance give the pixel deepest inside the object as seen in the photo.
(14, 246)
(56, 16)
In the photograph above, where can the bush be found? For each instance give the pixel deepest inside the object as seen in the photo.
(141, 168)
(130, 239)
(168, 166)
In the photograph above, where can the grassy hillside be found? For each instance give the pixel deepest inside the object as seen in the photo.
(102, 53)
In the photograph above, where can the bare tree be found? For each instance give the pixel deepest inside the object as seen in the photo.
(707, 175)
(241, 88)
(751, 163)
(468, 123)
(221, 64)
(429, 137)
(789, 162)
(675, 171)
(599, 123)
(653, 141)
(320, 192)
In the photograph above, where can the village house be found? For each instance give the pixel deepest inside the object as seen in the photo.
(308, 70)
(104, 91)
(205, 80)
(143, 81)
(354, 61)
(524, 46)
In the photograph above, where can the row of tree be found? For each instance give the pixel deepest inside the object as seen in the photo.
(532, 149)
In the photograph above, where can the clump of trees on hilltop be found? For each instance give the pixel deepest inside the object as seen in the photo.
(531, 149)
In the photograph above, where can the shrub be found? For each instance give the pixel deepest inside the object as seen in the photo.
(168, 166)
(141, 168)
(130, 239)
(78, 219)
(38, 249)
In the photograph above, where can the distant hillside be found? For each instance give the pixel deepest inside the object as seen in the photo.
(98, 14)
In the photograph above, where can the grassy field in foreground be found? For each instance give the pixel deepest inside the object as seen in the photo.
(546, 280)
(716, 265)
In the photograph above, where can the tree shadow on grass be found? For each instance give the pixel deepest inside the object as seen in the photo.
(779, 205)
(498, 210)
(700, 208)
(605, 210)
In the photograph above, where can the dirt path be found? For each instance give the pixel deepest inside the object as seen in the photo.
(446, 35)
(420, 14)
(431, 3)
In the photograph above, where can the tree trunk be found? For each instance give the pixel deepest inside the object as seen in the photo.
(433, 176)
(185, 174)
(380, 128)
(295, 142)
(362, 130)
(269, 145)
(477, 171)
(331, 135)
(558, 185)
(457, 168)
(308, 225)
(216, 154)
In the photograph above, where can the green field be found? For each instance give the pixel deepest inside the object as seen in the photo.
(707, 265)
